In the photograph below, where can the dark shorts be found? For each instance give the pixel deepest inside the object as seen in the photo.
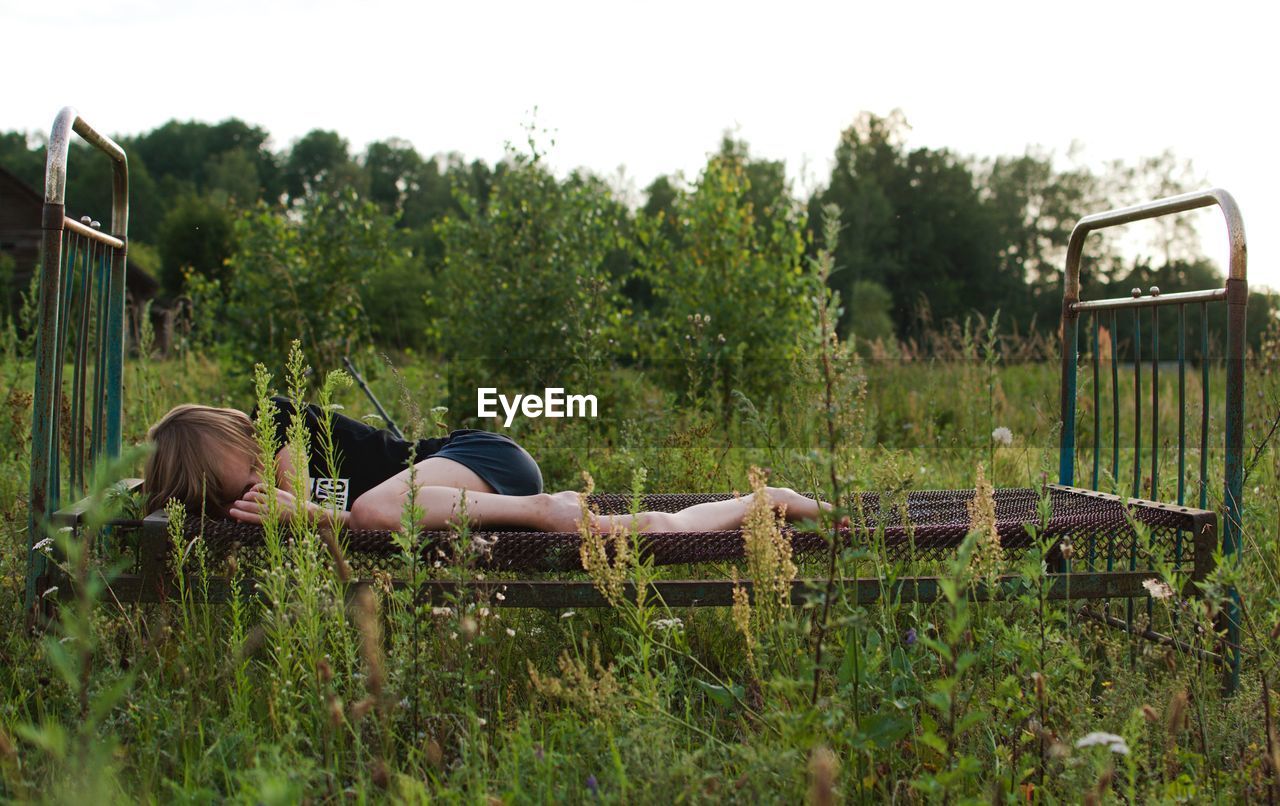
(497, 459)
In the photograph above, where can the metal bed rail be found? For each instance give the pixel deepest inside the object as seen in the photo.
(81, 316)
(1107, 313)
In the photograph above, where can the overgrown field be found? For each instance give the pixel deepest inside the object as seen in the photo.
(302, 694)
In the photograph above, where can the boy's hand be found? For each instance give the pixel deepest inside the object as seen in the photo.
(256, 503)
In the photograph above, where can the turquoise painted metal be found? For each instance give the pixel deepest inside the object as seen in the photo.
(72, 250)
(1235, 295)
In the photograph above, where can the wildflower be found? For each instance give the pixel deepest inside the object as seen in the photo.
(468, 628)
(593, 785)
(335, 711)
(823, 767)
(608, 573)
(567, 614)
(1177, 719)
(380, 776)
(1114, 743)
(49, 592)
(511, 633)
(538, 752)
(361, 709)
(364, 615)
(987, 552)
(43, 545)
(435, 754)
(1157, 589)
(741, 614)
(910, 638)
(667, 624)
(1002, 436)
(500, 596)
(584, 682)
(767, 550)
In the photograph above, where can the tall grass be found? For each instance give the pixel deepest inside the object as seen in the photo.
(307, 685)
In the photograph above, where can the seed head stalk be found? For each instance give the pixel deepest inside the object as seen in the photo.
(827, 335)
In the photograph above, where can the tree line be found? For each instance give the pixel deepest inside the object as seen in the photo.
(426, 252)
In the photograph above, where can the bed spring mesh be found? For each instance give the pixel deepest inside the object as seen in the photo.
(924, 526)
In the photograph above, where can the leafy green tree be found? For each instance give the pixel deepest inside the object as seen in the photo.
(726, 290)
(395, 170)
(321, 163)
(23, 156)
(197, 234)
(1035, 207)
(300, 276)
(915, 223)
(234, 175)
(200, 157)
(524, 297)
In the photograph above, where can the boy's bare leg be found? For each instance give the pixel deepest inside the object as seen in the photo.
(714, 516)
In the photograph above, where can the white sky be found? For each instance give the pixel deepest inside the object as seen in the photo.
(653, 85)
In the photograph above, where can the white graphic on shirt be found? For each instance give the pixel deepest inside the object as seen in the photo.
(336, 490)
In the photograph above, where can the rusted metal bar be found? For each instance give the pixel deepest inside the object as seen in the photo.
(100, 374)
(1182, 422)
(1097, 430)
(1155, 398)
(1179, 298)
(556, 594)
(1067, 439)
(1149, 634)
(1115, 405)
(1155, 209)
(1204, 405)
(1233, 484)
(1097, 412)
(53, 315)
(43, 422)
(94, 234)
(1137, 402)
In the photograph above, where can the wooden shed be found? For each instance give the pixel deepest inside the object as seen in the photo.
(20, 210)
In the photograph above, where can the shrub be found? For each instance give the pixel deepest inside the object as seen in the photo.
(300, 276)
(729, 293)
(524, 297)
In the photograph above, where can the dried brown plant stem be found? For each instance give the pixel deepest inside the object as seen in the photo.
(1273, 752)
(827, 332)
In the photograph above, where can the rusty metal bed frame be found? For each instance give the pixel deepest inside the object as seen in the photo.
(82, 295)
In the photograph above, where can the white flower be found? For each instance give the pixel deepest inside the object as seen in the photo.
(667, 624)
(441, 611)
(43, 545)
(1114, 743)
(49, 592)
(499, 596)
(1002, 436)
(511, 632)
(567, 614)
(1157, 589)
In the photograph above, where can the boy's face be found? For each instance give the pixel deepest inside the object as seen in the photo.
(238, 472)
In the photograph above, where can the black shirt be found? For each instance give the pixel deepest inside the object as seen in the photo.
(364, 456)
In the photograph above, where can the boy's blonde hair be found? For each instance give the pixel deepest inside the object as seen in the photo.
(188, 443)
